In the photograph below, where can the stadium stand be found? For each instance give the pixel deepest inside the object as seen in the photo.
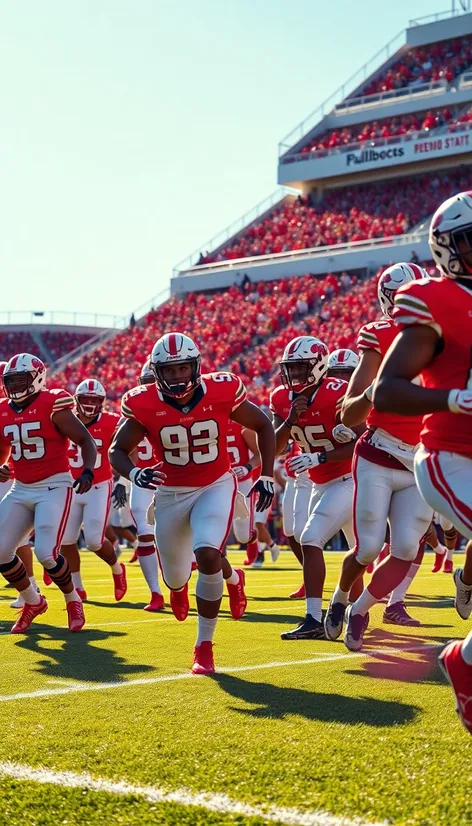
(17, 342)
(61, 343)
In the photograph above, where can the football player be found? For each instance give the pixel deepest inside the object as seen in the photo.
(90, 511)
(295, 508)
(140, 500)
(306, 408)
(36, 426)
(444, 554)
(185, 416)
(244, 457)
(434, 316)
(385, 486)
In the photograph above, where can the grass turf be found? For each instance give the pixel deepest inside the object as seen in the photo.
(373, 736)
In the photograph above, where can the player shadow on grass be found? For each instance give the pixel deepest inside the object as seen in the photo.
(420, 601)
(77, 659)
(277, 703)
(287, 619)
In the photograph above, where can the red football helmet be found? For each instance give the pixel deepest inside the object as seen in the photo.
(89, 397)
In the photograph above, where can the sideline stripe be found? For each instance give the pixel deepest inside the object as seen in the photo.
(187, 675)
(219, 803)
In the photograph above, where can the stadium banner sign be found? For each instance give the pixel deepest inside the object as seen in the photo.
(377, 157)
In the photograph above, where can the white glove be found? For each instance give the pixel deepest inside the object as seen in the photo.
(305, 461)
(460, 401)
(240, 471)
(369, 392)
(343, 434)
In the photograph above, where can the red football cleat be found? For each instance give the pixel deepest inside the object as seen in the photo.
(459, 674)
(28, 613)
(237, 597)
(46, 578)
(82, 594)
(300, 594)
(120, 584)
(447, 567)
(179, 603)
(157, 602)
(134, 558)
(438, 563)
(75, 615)
(203, 662)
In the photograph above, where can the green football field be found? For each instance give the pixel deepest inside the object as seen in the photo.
(107, 726)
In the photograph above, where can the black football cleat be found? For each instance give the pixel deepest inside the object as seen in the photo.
(309, 629)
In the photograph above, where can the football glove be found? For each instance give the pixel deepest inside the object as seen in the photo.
(84, 482)
(460, 401)
(343, 434)
(148, 477)
(265, 488)
(119, 495)
(305, 461)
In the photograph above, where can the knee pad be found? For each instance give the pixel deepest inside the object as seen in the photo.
(366, 554)
(407, 553)
(210, 586)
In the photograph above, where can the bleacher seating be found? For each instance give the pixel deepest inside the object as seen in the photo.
(59, 343)
(378, 130)
(373, 210)
(17, 341)
(443, 60)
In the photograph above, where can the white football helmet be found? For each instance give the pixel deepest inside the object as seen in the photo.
(146, 375)
(3, 364)
(308, 352)
(394, 277)
(23, 376)
(340, 360)
(450, 236)
(89, 397)
(176, 348)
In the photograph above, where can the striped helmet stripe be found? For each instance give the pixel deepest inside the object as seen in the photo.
(172, 344)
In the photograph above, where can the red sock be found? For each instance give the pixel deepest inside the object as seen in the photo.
(387, 576)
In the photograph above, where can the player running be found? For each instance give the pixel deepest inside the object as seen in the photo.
(244, 457)
(185, 416)
(307, 408)
(385, 486)
(434, 316)
(90, 510)
(36, 425)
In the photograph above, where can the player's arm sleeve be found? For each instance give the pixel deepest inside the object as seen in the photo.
(367, 339)
(411, 308)
(62, 400)
(240, 394)
(127, 408)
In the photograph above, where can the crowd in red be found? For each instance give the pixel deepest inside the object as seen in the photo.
(374, 210)
(59, 343)
(17, 341)
(443, 60)
(380, 129)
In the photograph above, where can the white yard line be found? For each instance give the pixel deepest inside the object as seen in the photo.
(323, 658)
(212, 802)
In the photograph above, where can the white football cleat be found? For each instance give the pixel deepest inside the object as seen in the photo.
(18, 602)
(274, 552)
(463, 598)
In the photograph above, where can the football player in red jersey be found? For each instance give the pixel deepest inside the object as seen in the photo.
(90, 510)
(244, 457)
(306, 408)
(384, 485)
(295, 508)
(140, 500)
(185, 416)
(35, 427)
(434, 317)
(24, 551)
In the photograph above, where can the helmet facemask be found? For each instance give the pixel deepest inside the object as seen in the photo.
(461, 242)
(89, 404)
(20, 386)
(304, 374)
(178, 388)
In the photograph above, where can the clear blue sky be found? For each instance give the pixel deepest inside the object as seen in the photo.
(133, 130)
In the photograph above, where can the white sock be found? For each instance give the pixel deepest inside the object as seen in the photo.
(72, 597)
(313, 607)
(116, 546)
(116, 568)
(340, 596)
(261, 546)
(233, 579)
(77, 580)
(364, 603)
(399, 593)
(206, 629)
(150, 568)
(30, 595)
(34, 583)
(467, 649)
(450, 555)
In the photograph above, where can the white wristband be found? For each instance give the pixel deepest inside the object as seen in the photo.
(133, 473)
(452, 401)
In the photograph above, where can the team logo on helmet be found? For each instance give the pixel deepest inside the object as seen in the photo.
(393, 278)
(304, 363)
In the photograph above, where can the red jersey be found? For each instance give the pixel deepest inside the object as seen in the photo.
(190, 439)
(238, 450)
(445, 305)
(145, 456)
(378, 336)
(102, 429)
(313, 431)
(37, 448)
